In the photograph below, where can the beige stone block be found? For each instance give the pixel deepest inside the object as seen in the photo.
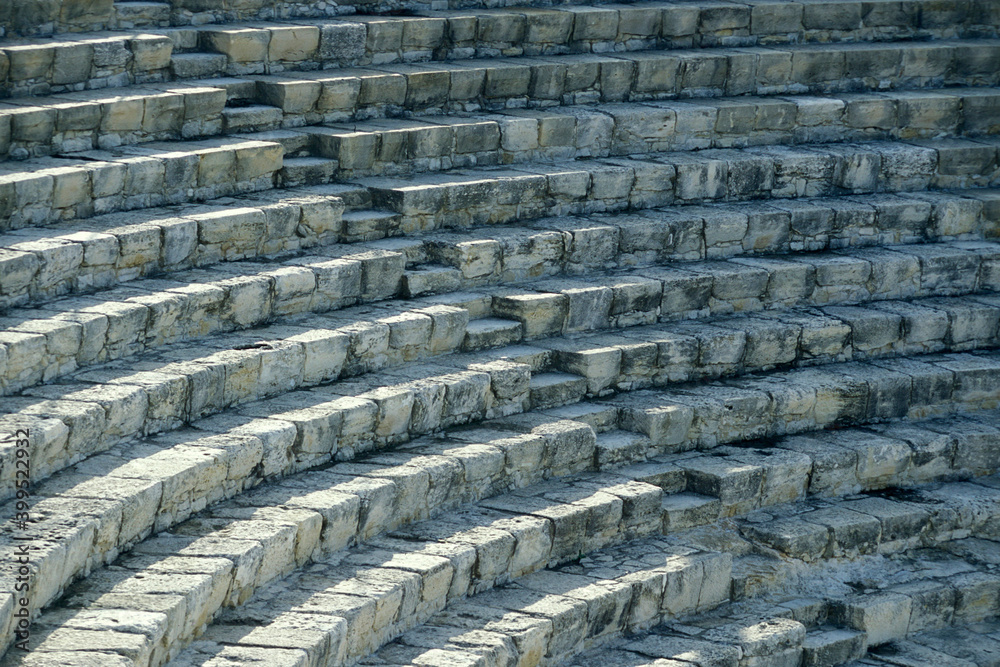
(293, 44)
(240, 45)
(71, 186)
(150, 52)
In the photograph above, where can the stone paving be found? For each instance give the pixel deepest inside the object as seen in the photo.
(500, 334)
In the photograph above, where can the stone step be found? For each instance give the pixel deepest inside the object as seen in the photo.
(126, 321)
(491, 332)
(95, 411)
(976, 644)
(155, 498)
(702, 416)
(734, 480)
(99, 119)
(45, 344)
(393, 146)
(552, 615)
(719, 383)
(196, 65)
(939, 598)
(83, 61)
(567, 447)
(616, 447)
(45, 190)
(547, 529)
(78, 332)
(80, 257)
(252, 118)
(60, 16)
(225, 457)
(109, 250)
(545, 521)
(309, 98)
(830, 21)
(305, 171)
(85, 121)
(830, 646)
(810, 532)
(581, 245)
(130, 14)
(461, 198)
(311, 426)
(513, 31)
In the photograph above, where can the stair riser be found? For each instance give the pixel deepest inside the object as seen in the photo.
(975, 450)
(78, 189)
(116, 62)
(73, 262)
(543, 135)
(638, 600)
(637, 129)
(733, 22)
(678, 178)
(660, 237)
(693, 419)
(375, 41)
(363, 94)
(467, 142)
(37, 266)
(851, 535)
(152, 113)
(45, 344)
(734, 481)
(109, 62)
(62, 16)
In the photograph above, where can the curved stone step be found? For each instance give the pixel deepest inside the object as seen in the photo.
(431, 143)
(85, 61)
(295, 432)
(46, 343)
(108, 250)
(104, 251)
(45, 190)
(63, 188)
(729, 308)
(427, 476)
(88, 121)
(308, 98)
(704, 416)
(461, 198)
(156, 386)
(510, 31)
(550, 615)
(935, 603)
(713, 231)
(83, 121)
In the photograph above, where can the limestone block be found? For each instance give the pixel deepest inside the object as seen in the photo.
(883, 616)
(293, 43)
(540, 314)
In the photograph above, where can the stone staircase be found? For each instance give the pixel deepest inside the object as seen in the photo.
(500, 334)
